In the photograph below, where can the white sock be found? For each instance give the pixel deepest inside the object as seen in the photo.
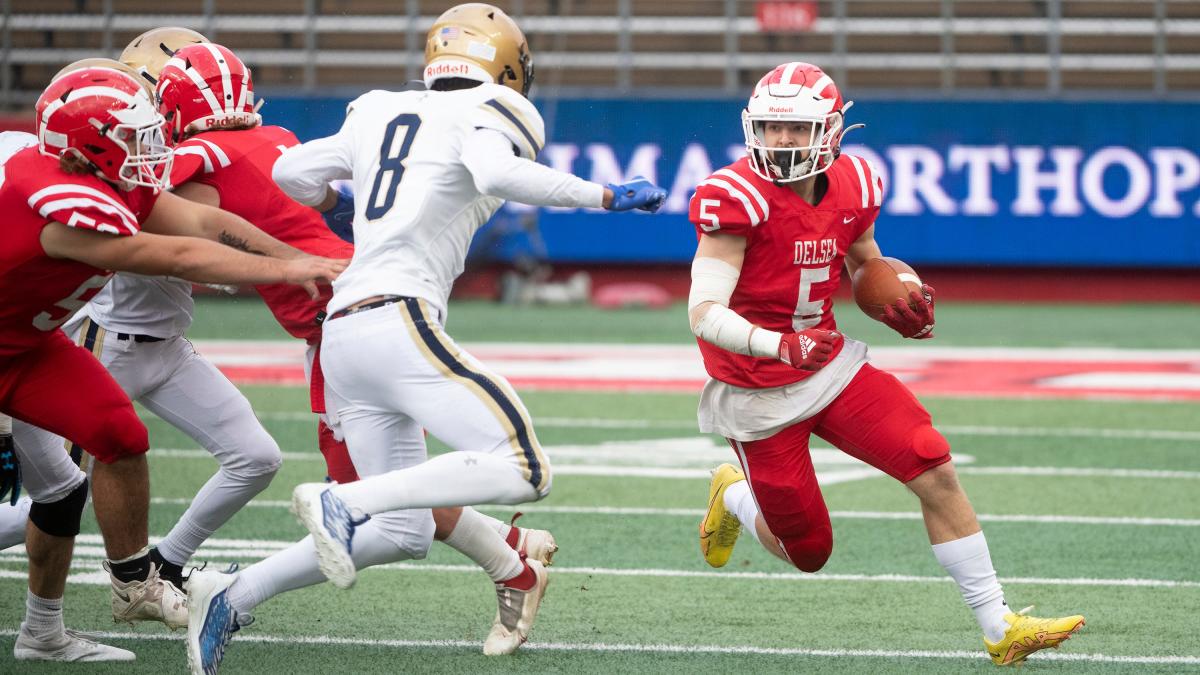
(740, 501)
(477, 539)
(452, 479)
(296, 567)
(969, 563)
(43, 616)
(494, 523)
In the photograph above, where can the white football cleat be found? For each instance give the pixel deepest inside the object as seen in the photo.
(537, 545)
(212, 620)
(514, 617)
(332, 526)
(68, 647)
(152, 599)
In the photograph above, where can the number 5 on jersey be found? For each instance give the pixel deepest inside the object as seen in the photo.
(392, 153)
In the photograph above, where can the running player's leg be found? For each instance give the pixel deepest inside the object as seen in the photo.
(497, 458)
(199, 400)
(900, 440)
(12, 521)
(781, 502)
(387, 537)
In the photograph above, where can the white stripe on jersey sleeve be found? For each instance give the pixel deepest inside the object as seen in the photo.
(199, 152)
(49, 207)
(737, 194)
(862, 179)
(750, 190)
(120, 209)
(217, 151)
(876, 184)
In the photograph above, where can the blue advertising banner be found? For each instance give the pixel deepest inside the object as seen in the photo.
(995, 182)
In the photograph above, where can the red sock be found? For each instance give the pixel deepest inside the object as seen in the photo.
(523, 581)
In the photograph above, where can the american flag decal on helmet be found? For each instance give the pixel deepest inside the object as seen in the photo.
(449, 33)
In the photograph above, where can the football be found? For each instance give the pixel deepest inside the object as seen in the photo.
(880, 282)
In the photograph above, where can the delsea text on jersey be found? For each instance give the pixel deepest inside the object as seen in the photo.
(812, 252)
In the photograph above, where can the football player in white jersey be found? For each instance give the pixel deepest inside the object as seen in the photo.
(429, 168)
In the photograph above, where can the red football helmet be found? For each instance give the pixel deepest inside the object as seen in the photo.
(104, 117)
(795, 92)
(205, 87)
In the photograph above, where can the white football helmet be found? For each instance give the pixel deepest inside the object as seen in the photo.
(795, 92)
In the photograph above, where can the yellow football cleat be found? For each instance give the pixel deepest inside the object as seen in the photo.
(720, 529)
(1028, 634)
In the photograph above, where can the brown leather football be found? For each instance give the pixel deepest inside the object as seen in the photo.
(880, 282)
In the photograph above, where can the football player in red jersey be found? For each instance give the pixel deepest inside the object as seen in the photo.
(225, 158)
(73, 206)
(774, 230)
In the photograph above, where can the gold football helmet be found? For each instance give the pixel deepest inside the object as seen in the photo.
(478, 42)
(150, 51)
(98, 62)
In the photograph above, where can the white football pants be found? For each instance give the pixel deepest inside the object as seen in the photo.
(48, 475)
(188, 392)
(392, 372)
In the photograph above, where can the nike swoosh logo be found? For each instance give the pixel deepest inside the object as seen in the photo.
(847, 220)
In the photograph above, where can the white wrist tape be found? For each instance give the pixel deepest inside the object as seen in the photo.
(713, 282)
(5, 425)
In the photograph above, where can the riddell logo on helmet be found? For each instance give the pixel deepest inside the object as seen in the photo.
(779, 110)
(446, 69)
(223, 122)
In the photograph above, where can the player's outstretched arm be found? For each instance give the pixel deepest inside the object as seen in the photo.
(715, 273)
(197, 260)
(497, 172)
(192, 213)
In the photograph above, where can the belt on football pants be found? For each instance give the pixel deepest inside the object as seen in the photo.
(138, 338)
(390, 300)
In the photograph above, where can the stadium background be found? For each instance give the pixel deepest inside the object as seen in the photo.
(1042, 172)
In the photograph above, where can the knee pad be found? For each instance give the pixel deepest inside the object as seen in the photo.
(61, 518)
(929, 443)
(122, 436)
(808, 552)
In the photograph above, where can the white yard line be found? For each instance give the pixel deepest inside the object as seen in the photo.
(748, 650)
(88, 548)
(848, 515)
(961, 430)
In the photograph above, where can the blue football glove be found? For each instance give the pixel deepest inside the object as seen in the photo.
(340, 218)
(638, 193)
(10, 470)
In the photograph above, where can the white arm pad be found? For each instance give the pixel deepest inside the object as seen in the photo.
(713, 282)
(497, 172)
(5, 425)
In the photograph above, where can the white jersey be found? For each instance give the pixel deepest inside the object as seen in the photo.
(132, 303)
(12, 142)
(417, 205)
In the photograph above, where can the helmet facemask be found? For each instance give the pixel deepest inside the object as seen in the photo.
(812, 156)
(139, 131)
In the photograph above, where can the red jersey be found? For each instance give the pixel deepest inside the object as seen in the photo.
(39, 293)
(238, 165)
(794, 254)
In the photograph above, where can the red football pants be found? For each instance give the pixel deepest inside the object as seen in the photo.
(60, 387)
(877, 420)
(338, 465)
